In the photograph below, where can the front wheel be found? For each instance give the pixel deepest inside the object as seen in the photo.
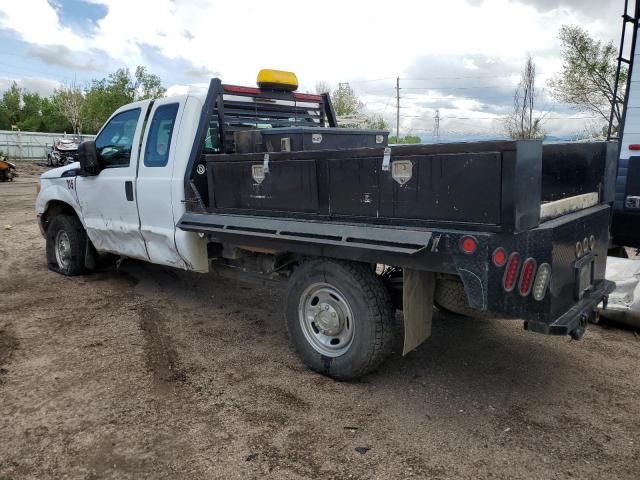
(339, 317)
(66, 245)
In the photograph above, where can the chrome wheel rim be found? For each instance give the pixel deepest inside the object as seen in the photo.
(63, 249)
(326, 319)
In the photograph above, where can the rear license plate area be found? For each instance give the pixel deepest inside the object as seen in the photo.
(583, 271)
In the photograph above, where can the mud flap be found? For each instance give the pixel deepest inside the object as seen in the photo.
(90, 256)
(417, 304)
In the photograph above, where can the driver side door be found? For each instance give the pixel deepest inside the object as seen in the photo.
(108, 200)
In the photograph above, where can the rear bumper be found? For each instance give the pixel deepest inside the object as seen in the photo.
(576, 317)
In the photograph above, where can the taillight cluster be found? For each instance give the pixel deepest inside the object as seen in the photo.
(585, 246)
(524, 278)
(511, 272)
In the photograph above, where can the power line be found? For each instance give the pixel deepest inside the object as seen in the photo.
(458, 88)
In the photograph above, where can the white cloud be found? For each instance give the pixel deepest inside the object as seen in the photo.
(37, 22)
(42, 86)
(334, 41)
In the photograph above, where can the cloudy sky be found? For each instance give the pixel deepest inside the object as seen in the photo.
(462, 57)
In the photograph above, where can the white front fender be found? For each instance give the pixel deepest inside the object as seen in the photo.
(58, 190)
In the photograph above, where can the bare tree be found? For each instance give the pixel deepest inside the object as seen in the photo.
(323, 87)
(69, 100)
(523, 123)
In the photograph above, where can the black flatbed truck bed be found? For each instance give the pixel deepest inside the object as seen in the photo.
(463, 205)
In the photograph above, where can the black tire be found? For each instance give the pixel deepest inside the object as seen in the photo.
(450, 296)
(372, 322)
(70, 226)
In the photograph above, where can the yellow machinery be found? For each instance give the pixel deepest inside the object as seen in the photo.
(7, 170)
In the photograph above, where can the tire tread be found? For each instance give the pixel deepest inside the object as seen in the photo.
(380, 313)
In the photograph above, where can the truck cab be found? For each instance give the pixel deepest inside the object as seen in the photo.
(131, 207)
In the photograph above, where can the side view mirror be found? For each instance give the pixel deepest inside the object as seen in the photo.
(88, 158)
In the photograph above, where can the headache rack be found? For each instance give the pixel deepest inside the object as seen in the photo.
(249, 108)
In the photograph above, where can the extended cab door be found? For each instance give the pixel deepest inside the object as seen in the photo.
(108, 200)
(154, 183)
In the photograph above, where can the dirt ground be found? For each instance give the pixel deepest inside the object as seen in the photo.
(157, 373)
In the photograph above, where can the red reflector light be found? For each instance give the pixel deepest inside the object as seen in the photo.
(238, 89)
(468, 245)
(499, 257)
(305, 97)
(526, 279)
(634, 146)
(511, 272)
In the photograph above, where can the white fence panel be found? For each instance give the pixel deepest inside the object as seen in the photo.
(30, 145)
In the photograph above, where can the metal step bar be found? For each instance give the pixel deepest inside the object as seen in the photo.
(387, 239)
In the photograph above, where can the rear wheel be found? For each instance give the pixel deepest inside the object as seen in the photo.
(339, 318)
(66, 245)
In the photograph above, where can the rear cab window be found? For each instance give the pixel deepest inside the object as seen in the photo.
(156, 152)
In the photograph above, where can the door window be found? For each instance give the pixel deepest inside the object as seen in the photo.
(156, 153)
(114, 142)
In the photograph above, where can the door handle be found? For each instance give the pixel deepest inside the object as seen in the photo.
(128, 190)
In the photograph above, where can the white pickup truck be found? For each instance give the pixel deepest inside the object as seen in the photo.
(131, 208)
(258, 181)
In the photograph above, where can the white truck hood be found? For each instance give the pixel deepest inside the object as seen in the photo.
(57, 172)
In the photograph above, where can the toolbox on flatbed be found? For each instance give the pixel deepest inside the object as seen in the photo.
(491, 185)
(299, 139)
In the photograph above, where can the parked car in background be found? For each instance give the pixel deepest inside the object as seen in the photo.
(63, 152)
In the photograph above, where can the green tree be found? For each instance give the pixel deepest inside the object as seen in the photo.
(105, 96)
(376, 122)
(345, 101)
(405, 140)
(31, 112)
(10, 113)
(52, 118)
(147, 85)
(349, 109)
(588, 74)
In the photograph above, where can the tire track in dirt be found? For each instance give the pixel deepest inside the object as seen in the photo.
(161, 356)
(8, 343)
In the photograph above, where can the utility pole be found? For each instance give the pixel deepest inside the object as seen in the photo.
(436, 126)
(398, 109)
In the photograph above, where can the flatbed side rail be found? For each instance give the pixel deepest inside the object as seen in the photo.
(387, 239)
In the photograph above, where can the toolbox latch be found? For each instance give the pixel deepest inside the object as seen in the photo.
(386, 159)
(402, 171)
(259, 171)
(265, 163)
